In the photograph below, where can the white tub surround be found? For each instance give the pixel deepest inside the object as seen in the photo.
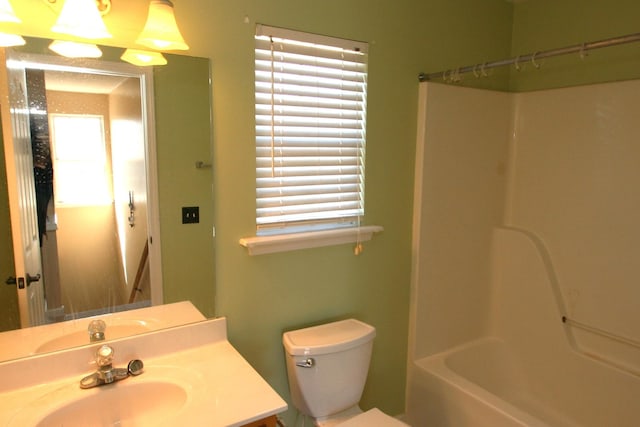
(529, 373)
(524, 297)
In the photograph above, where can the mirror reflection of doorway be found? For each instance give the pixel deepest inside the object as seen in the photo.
(94, 235)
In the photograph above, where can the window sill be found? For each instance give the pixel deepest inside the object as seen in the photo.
(288, 242)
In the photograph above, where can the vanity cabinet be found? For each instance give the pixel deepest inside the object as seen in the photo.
(265, 422)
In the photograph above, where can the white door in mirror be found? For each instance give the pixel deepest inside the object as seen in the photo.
(22, 197)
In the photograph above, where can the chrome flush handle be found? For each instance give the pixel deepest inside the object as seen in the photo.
(307, 363)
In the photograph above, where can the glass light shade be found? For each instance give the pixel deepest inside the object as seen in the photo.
(6, 12)
(161, 30)
(8, 15)
(143, 57)
(81, 18)
(75, 49)
(7, 40)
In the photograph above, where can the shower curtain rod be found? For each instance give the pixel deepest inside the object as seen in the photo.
(480, 69)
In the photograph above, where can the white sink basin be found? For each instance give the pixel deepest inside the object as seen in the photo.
(150, 399)
(131, 404)
(148, 403)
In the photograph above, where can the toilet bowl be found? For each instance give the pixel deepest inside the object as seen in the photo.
(327, 368)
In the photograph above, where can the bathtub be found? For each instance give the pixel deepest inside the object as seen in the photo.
(477, 384)
(529, 370)
(483, 383)
(488, 342)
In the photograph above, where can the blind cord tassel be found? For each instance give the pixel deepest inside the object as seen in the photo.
(357, 250)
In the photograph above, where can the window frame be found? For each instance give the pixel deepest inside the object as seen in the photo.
(76, 195)
(310, 131)
(313, 234)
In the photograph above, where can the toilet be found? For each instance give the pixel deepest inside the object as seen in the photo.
(327, 367)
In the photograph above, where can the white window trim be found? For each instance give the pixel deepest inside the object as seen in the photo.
(279, 236)
(98, 158)
(315, 123)
(288, 242)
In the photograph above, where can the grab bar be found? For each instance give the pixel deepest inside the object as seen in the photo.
(601, 332)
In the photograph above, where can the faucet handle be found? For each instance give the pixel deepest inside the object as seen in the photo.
(135, 367)
(96, 330)
(106, 373)
(104, 356)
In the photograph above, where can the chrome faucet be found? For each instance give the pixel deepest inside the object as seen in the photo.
(96, 330)
(106, 373)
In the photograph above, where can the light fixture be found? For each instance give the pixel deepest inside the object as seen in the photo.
(75, 49)
(81, 18)
(6, 12)
(8, 15)
(8, 40)
(161, 30)
(143, 57)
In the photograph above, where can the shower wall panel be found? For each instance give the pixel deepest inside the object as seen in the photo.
(575, 183)
(459, 197)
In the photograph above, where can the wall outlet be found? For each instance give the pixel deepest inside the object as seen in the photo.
(190, 215)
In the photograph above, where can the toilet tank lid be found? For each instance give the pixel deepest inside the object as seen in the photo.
(328, 338)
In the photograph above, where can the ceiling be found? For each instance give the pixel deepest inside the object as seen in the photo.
(66, 81)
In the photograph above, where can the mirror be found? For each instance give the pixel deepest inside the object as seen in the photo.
(126, 272)
(90, 139)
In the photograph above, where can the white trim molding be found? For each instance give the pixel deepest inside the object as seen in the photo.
(259, 245)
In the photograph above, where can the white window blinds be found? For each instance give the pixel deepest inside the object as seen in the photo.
(310, 130)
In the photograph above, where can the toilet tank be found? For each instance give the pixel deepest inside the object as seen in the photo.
(327, 365)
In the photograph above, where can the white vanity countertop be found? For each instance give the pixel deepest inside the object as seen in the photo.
(223, 389)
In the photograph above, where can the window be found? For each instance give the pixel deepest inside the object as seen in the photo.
(80, 161)
(311, 96)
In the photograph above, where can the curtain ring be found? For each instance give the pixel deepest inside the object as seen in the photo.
(517, 62)
(533, 60)
(482, 71)
(583, 51)
(475, 71)
(456, 77)
(444, 76)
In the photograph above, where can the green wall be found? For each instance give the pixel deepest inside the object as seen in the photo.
(263, 296)
(183, 137)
